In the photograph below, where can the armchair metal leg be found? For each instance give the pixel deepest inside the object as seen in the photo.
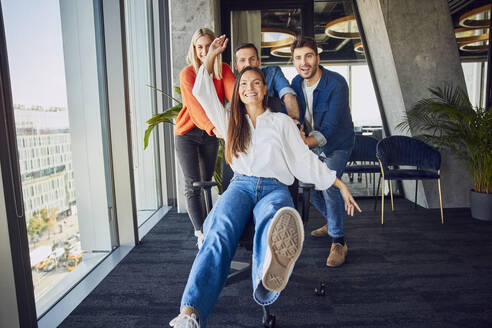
(416, 188)
(373, 177)
(377, 191)
(382, 202)
(391, 193)
(440, 199)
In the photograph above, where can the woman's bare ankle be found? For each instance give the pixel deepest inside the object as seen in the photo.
(189, 311)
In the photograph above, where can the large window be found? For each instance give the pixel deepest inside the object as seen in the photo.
(141, 80)
(55, 68)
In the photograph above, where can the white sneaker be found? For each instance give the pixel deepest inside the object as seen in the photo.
(185, 321)
(285, 239)
(199, 238)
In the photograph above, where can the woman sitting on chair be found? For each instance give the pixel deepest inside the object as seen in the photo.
(266, 152)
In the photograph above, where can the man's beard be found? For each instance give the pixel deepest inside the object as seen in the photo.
(313, 73)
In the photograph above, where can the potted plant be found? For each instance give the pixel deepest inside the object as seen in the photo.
(167, 116)
(448, 120)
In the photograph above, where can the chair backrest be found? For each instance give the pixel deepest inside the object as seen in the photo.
(402, 150)
(364, 149)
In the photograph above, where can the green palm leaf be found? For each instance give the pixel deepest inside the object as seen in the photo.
(166, 116)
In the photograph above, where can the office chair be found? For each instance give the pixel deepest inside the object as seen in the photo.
(364, 152)
(401, 150)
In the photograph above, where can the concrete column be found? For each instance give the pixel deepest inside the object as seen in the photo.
(186, 16)
(413, 48)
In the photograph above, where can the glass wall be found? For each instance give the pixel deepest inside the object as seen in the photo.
(61, 136)
(475, 79)
(364, 108)
(363, 103)
(141, 82)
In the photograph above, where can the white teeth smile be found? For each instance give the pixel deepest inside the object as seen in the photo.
(251, 94)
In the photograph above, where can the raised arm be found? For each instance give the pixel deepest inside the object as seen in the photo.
(197, 114)
(204, 91)
(216, 48)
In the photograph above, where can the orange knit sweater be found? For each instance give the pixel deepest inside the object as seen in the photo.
(192, 113)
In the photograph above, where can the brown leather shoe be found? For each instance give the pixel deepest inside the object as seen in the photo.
(320, 232)
(337, 255)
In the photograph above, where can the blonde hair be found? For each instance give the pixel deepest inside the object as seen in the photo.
(192, 58)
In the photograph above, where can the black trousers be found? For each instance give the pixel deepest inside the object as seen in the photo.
(197, 153)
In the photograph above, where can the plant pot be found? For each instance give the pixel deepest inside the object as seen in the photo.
(481, 205)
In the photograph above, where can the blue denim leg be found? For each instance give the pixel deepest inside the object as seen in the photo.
(274, 197)
(222, 230)
(329, 202)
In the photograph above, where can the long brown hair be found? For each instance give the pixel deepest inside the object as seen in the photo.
(239, 133)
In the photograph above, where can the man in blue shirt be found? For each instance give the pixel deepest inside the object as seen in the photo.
(279, 88)
(323, 98)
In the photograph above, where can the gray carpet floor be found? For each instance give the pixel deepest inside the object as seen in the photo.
(411, 272)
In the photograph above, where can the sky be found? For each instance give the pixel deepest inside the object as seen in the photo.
(35, 52)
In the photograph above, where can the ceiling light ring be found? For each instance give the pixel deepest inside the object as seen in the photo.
(290, 37)
(284, 51)
(330, 28)
(463, 39)
(477, 23)
(358, 47)
(467, 46)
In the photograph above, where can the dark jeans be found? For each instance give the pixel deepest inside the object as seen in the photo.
(197, 153)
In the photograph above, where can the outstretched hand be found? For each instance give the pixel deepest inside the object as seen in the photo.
(349, 201)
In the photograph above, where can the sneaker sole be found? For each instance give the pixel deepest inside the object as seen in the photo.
(285, 239)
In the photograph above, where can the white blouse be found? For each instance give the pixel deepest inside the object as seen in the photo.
(276, 149)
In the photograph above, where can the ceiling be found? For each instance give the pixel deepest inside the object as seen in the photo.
(328, 10)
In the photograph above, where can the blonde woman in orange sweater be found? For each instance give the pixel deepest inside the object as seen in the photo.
(196, 143)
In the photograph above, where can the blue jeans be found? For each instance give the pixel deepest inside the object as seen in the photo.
(246, 197)
(329, 202)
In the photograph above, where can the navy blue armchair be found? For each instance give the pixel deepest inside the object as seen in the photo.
(363, 160)
(396, 151)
